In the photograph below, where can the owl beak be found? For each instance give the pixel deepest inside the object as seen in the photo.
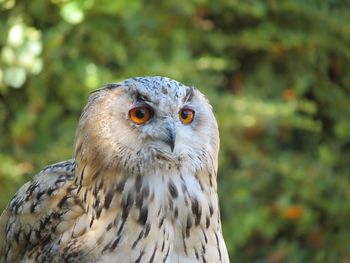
(171, 137)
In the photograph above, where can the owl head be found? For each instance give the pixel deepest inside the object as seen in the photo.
(147, 123)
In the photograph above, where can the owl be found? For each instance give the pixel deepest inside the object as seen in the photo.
(141, 186)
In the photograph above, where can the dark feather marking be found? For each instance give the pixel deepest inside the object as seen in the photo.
(100, 185)
(92, 221)
(145, 191)
(108, 198)
(196, 210)
(153, 254)
(211, 179)
(141, 97)
(31, 189)
(71, 188)
(203, 249)
(166, 255)
(188, 225)
(189, 95)
(173, 189)
(205, 236)
(184, 243)
(63, 201)
(196, 253)
(37, 234)
(100, 239)
(211, 209)
(115, 243)
(120, 186)
(164, 91)
(7, 252)
(161, 222)
(207, 222)
(184, 188)
(110, 225)
(143, 216)
(9, 226)
(82, 176)
(61, 179)
(105, 248)
(163, 245)
(111, 86)
(139, 201)
(218, 246)
(96, 203)
(139, 258)
(32, 207)
(126, 205)
(85, 195)
(171, 204)
(121, 227)
(17, 207)
(148, 228)
(138, 183)
(200, 183)
(95, 191)
(16, 236)
(79, 188)
(98, 212)
(176, 212)
(138, 239)
(51, 190)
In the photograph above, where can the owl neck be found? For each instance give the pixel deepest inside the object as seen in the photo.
(162, 192)
(177, 207)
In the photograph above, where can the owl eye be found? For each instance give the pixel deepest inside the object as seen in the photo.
(186, 116)
(141, 114)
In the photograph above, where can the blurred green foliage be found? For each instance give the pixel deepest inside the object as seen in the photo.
(276, 72)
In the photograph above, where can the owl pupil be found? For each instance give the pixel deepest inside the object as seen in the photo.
(184, 115)
(140, 114)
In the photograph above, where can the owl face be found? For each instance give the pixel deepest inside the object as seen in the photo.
(147, 121)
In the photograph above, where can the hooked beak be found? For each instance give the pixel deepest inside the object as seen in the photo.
(170, 137)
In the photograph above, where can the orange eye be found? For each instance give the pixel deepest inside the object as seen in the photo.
(186, 116)
(141, 114)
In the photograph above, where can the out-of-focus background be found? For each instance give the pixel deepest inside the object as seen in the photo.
(276, 72)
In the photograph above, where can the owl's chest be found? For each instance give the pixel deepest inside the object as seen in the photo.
(175, 198)
(157, 219)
